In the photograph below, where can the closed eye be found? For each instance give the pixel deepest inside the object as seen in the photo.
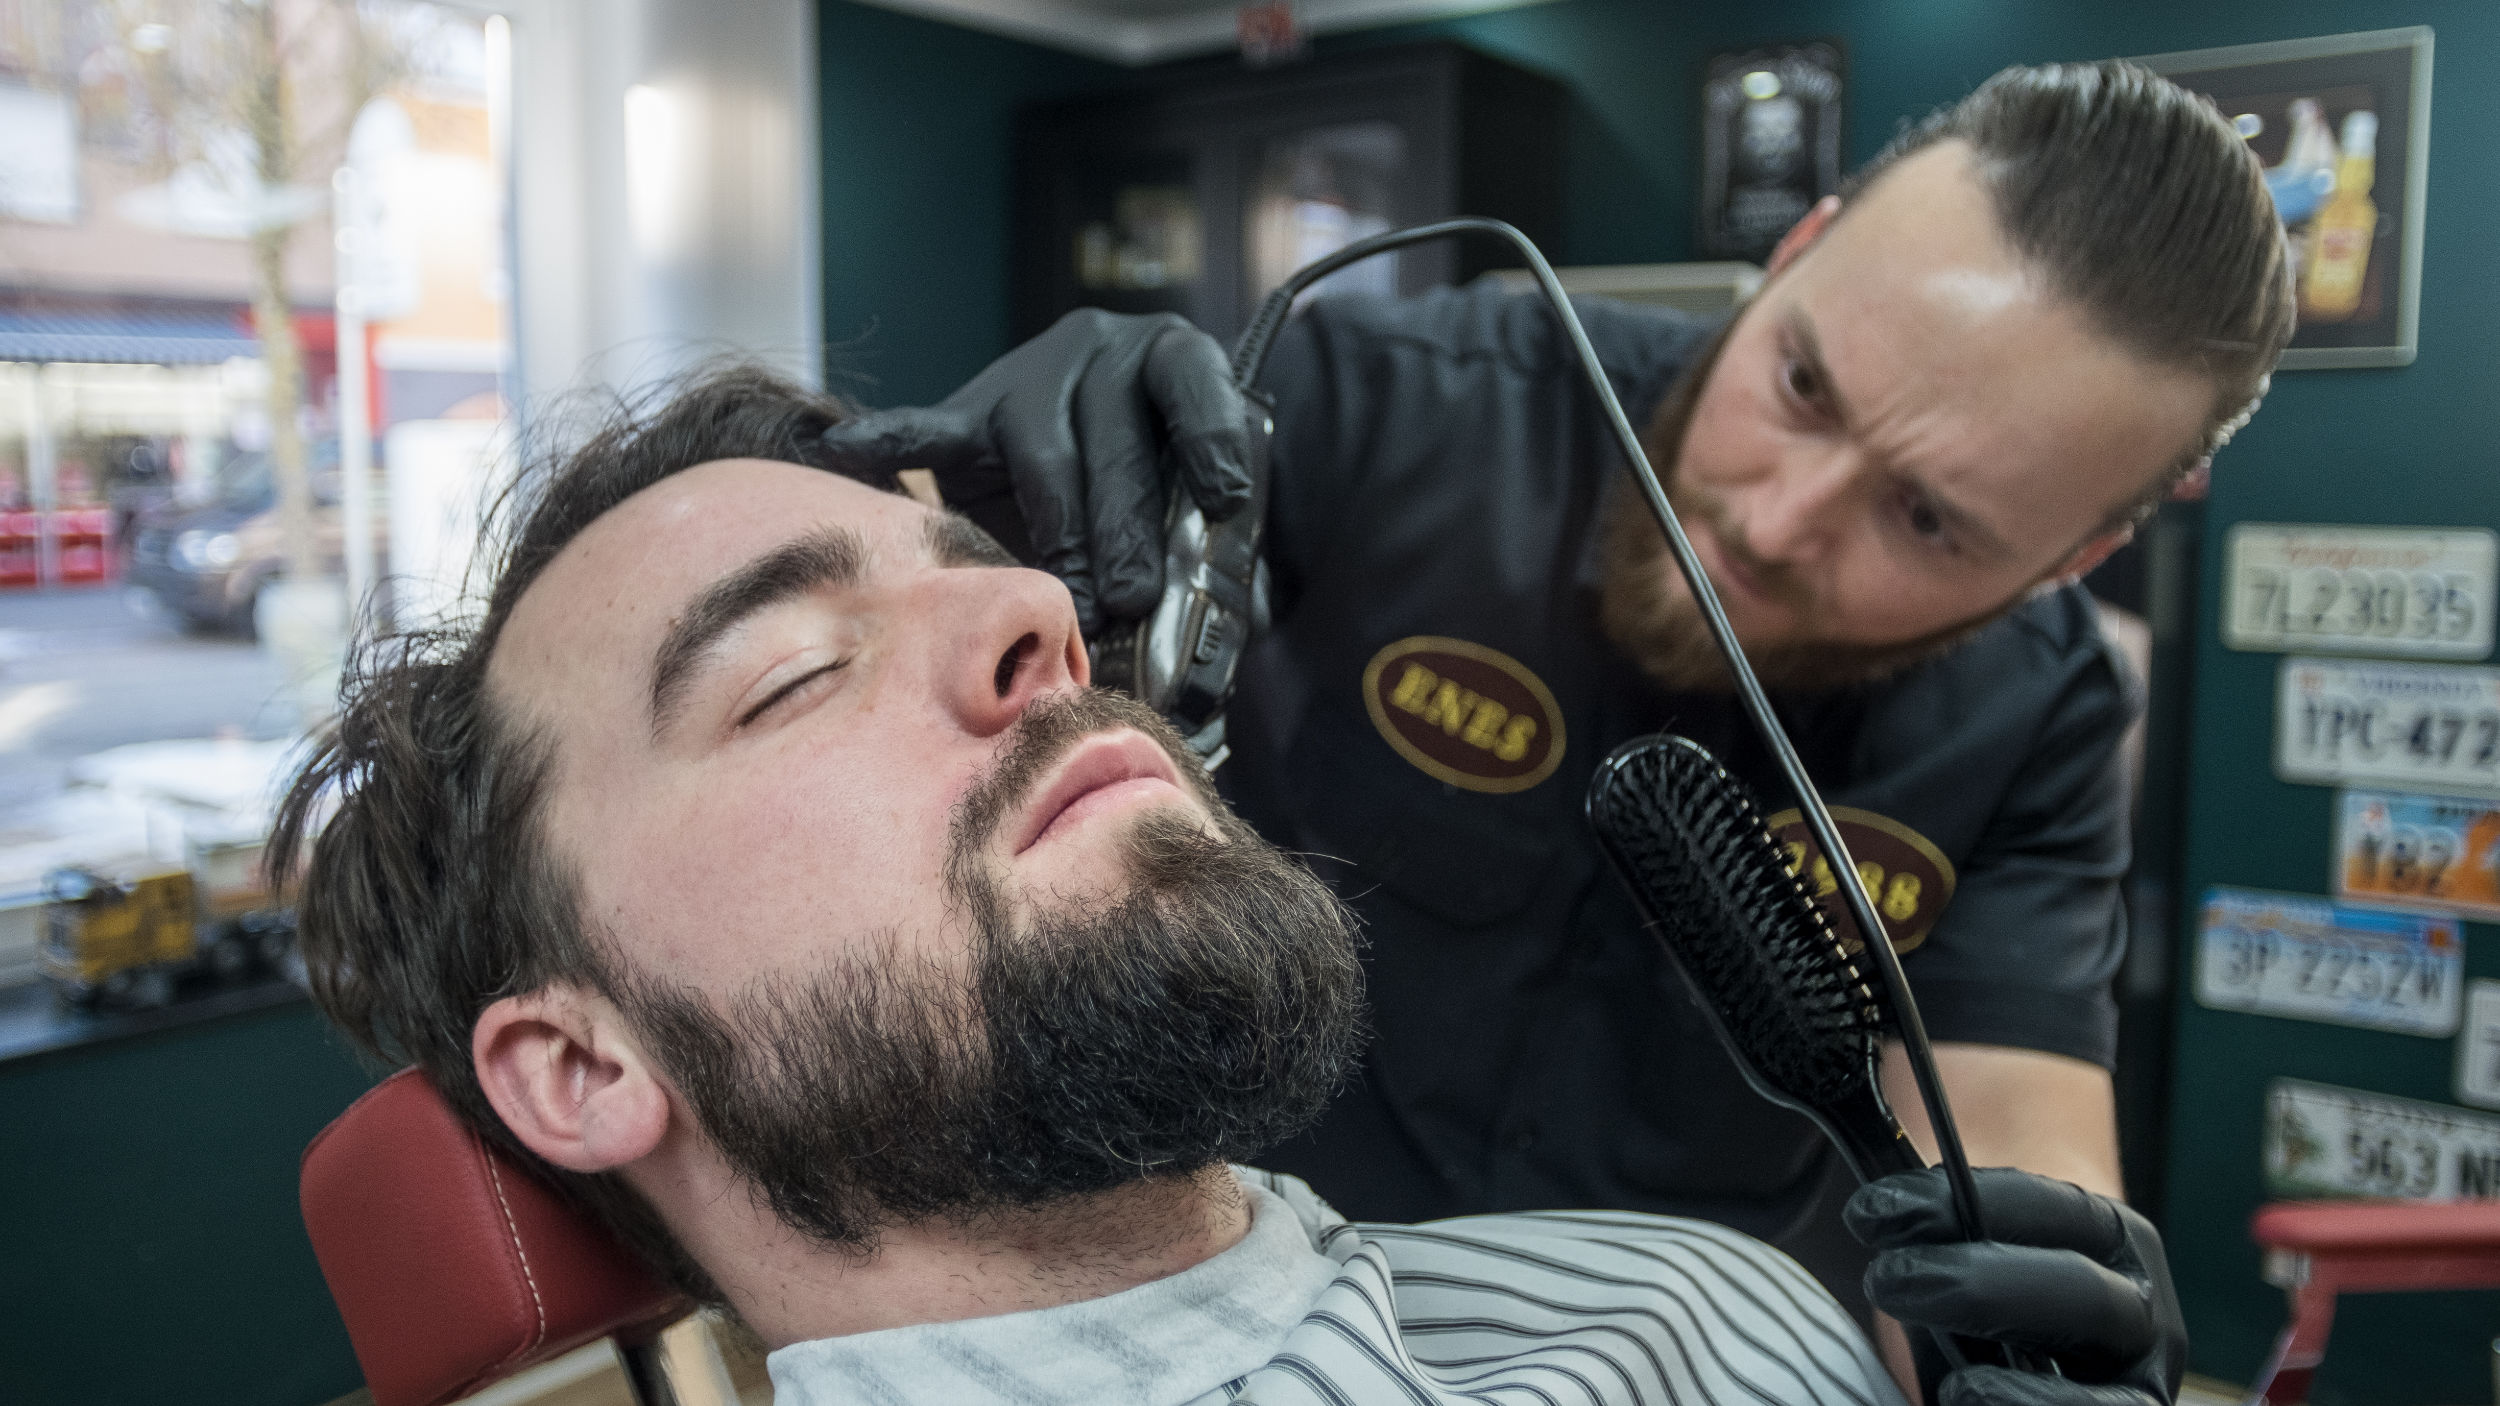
(781, 694)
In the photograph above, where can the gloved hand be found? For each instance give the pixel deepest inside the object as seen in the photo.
(1068, 438)
(2072, 1276)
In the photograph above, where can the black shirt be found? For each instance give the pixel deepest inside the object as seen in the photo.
(1422, 721)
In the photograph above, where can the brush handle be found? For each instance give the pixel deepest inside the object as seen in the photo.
(1872, 1142)
(1870, 1139)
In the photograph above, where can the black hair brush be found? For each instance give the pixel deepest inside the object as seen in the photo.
(1802, 1019)
(1795, 1009)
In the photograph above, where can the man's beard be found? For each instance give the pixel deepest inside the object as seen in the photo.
(1209, 1010)
(1649, 614)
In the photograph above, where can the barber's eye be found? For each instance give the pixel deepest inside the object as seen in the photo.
(1803, 383)
(788, 690)
(1923, 519)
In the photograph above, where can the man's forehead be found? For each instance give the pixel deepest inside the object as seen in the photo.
(1970, 367)
(1931, 216)
(612, 590)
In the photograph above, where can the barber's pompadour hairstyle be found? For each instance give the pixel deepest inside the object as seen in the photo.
(2138, 200)
(429, 891)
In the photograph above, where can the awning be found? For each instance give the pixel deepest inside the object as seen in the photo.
(168, 338)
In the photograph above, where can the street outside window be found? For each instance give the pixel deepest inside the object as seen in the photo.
(254, 347)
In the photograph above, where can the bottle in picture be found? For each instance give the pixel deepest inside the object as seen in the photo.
(2340, 238)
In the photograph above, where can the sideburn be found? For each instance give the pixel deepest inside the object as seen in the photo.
(1642, 605)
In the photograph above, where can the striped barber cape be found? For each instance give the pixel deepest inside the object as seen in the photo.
(1551, 1308)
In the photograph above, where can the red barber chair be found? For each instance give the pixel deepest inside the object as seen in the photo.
(2318, 1249)
(454, 1268)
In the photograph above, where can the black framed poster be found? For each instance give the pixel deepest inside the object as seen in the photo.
(2342, 126)
(1770, 144)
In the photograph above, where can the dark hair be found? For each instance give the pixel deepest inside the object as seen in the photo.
(2139, 201)
(430, 892)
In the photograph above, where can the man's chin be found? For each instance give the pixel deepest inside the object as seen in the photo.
(1113, 860)
(1095, 831)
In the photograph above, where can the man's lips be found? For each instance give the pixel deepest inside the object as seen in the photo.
(1097, 774)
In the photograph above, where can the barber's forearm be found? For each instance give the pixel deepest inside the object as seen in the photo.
(2044, 1113)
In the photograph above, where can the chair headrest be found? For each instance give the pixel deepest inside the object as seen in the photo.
(452, 1265)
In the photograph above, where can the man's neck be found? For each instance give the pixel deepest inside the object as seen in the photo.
(792, 1290)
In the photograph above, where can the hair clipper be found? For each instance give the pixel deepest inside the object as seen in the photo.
(1181, 659)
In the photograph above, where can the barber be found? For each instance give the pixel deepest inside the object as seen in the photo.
(1959, 389)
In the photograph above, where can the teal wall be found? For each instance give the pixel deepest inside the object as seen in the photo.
(150, 1246)
(147, 1188)
(935, 273)
(918, 120)
(2403, 445)
(2398, 446)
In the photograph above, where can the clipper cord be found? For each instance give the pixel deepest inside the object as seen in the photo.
(1250, 355)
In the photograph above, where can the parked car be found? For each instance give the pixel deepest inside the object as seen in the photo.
(205, 565)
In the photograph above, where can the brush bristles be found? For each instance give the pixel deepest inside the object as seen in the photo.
(1716, 889)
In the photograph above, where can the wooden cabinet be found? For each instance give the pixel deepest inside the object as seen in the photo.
(1199, 190)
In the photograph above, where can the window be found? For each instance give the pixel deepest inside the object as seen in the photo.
(182, 342)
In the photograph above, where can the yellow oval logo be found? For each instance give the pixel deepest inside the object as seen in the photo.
(1908, 877)
(1471, 716)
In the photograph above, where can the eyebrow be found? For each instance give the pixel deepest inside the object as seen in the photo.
(828, 558)
(955, 540)
(1799, 330)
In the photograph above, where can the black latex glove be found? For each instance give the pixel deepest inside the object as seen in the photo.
(2072, 1276)
(1069, 438)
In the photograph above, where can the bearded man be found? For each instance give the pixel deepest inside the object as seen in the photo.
(1962, 385)
(762, 870)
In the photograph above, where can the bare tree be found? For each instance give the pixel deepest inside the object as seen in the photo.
(257, 98)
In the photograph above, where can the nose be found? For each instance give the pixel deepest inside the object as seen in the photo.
(1789, 516)
(1011, 638)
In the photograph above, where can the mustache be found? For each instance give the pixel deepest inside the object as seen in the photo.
(1696, 508)
(1637, 534)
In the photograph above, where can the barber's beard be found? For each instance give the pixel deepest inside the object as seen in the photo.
(1205, 1012)
(1649, 613)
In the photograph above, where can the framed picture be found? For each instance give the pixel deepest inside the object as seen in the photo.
(1770, 144)
(2342, 126)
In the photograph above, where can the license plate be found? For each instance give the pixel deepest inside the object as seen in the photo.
(2478, 1046)
(2410, 592)
(2324, 1141)
(2306, 959)
(2440, 853)
(2429, 727)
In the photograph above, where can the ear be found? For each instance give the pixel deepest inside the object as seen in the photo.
(562, 1073)
(1804, 232)
(2092, 553)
